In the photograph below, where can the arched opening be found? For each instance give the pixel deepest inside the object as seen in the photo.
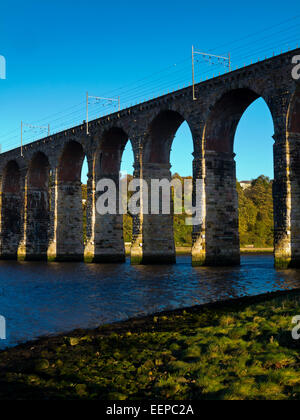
(289, 222)
(126, 174)
(253, 146)
(162, 131)
(11, 211)
(38, 210)
(84, 181)
(157, 225)
(108, 230)
(294, 114)
(222, 201)
(69, 215)
(181, 159)
(224, 118)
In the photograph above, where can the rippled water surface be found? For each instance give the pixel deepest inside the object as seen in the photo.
(40, 299)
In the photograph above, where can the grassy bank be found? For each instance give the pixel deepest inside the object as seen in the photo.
(232, 350)
(186, 250)
(257, 250)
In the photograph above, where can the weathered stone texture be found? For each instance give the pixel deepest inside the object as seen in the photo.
(41, 200)
(221, 220)
(155, 232)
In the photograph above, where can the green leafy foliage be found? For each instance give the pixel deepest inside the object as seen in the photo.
(255, 216)
(256, 213)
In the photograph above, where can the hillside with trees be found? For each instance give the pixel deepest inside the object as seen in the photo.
(256, 213)
(255, 216)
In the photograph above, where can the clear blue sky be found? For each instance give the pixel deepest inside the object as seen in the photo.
(58, 50)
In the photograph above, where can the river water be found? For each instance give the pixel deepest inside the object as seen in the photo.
(39, 299)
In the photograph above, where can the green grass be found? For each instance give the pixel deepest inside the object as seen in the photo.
(241, 350)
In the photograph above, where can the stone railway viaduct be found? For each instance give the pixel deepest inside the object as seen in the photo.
(41, 205)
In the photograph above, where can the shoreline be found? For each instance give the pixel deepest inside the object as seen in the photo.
(257, 250)
(182, 250)
(190, 353)
(140, 322)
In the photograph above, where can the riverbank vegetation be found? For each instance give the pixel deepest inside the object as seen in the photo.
(235, 350)
(255, 216)
(256, 213)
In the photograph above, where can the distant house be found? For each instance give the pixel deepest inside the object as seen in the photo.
(245, 184)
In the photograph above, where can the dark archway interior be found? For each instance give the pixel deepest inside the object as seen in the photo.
(11, 178)
(108, 165)
(38, 176)
(111, 149)
(252, 208)
(294, 178)
(70, 230)
(108, 238)
(224, 118)
(162, 132)
(38, 207)
(294, 116)
(11, 210)
(158, 227)
(71, 163)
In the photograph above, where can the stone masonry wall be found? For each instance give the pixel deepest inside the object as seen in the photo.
(36, 221)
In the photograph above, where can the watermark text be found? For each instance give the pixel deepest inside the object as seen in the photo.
(2, 328)
(296, 68)
(2, 67)
(296, 329)
(155, 196)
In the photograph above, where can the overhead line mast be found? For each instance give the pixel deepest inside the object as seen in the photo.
(34, 127)
(225, 61)
(98, 99)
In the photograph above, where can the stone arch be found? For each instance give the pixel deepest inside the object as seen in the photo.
(38, 210)
(161, 132)
(221, 219)
(38, 172)
(106, 243)
(11, 210)
(153, 235)
(287, 240)
(70, 162)
(224, 117)
(69, 212)
(109, 152)
(293, 117)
